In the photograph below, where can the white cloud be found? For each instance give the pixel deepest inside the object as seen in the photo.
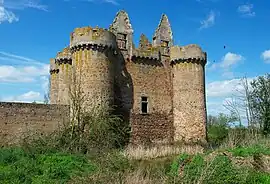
(227, 63)
(27, 97)
(266, 56)
(7, 16)
(231, 59)
(246, 10)
(45, 83)
(209, 21)
(22, 73)
(114, 2)
(21, 69)
(224, 88)
(23, 4)
(218, 93)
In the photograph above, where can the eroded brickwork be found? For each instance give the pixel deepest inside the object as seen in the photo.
(153, 82)
(19, 119)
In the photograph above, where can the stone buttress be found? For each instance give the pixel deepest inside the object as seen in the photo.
(92, 53)
(189, 104)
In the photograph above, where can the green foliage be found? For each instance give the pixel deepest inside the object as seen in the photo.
(16, 166)
(216, 170)
(258, 177)
(260, 100)
(249, 151)
(218, 128)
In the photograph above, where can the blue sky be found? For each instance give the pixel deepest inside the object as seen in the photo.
(32, 32)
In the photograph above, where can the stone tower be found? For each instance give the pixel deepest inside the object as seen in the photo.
(64, 63)
(92, 55)
(54, 71)
(158, 88)
(189, 105)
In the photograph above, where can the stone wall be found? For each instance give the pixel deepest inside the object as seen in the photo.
(19, 119)
(152, 80)
(189, 101)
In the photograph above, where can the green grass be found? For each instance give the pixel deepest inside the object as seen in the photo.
(17, 166)
(20, 166)
(249, 151)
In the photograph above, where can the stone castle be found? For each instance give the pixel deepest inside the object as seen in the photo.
(159, 87)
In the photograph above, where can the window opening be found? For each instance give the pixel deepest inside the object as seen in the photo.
(122, 40)
(164, 43)
(144, 105)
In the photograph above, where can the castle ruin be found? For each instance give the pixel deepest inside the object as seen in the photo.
(160, 87)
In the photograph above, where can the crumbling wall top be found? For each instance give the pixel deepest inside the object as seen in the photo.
(121, 23)
(146, 50)
(64, 54)
(94, 36)
(53, 66)
(187, 52)
(163, 33)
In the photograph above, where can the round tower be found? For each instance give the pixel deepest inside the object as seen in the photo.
(53, 81)
(93, 50)
(64, 62)
(189, 103)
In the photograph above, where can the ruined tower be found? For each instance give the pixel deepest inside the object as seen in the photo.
(92, 55)
(189, 105)
(159, 87)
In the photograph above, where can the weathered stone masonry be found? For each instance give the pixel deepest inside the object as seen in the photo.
(22, 119)
(160, 87)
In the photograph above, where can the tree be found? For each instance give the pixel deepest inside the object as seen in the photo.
(240, 103)
(260, 102)
(218, 127)
(47, 93)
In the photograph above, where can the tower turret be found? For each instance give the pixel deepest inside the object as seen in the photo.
(53, 81)
(189, 104)
(163, 34)
(92, 55)
(64, 62)
(163, 37)
(123, 31)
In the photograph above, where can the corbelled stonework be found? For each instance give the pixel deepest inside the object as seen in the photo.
(158, 87)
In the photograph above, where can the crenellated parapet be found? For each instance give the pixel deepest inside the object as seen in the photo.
(92, 38)
(53, 67)
(151, 53)
(189, 53)
(64, 57)
(146, 50)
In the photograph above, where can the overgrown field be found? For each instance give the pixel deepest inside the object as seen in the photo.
(238, 165)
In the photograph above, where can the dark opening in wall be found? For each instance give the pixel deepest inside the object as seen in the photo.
(164, 43)
(144, 105)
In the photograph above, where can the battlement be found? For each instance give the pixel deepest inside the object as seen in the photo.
(146, 50)
(88, 36)
(190, 52)
(64, 57)
(53, 66)
(151, 53)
